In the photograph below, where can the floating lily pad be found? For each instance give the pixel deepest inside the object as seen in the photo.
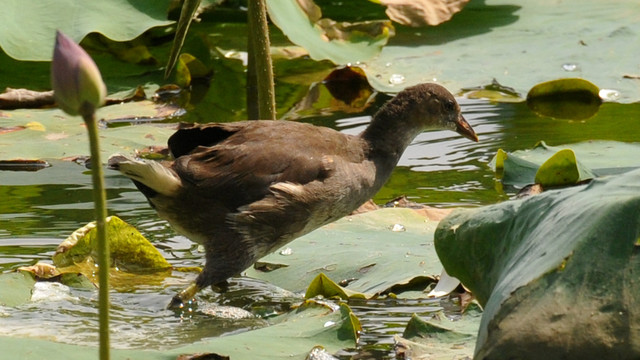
(325, 287)
(560, 165)
(362, 251)
(561, 169)
(292, 335)
(518, 44)
(574, 99)
(51, 134)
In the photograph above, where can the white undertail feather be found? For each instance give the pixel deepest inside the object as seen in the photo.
(152, 174)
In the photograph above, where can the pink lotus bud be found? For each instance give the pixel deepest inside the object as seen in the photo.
(77, 84)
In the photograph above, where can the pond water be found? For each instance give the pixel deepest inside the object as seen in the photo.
(38, 210)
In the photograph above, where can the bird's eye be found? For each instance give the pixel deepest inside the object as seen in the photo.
(449, 105)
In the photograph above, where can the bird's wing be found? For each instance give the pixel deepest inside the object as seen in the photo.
(239, 162)
(292, 210)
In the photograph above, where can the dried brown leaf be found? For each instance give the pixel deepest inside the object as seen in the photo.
(417, 13)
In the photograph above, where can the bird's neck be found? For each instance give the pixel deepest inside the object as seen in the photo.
(390, 132)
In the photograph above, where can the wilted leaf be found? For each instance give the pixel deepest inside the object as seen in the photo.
(419, 13)
(24, 98)
(130, 251)
(41, 270)
(493, 92)
(23, 165)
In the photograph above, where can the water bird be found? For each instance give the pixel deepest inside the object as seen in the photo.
(247, 188)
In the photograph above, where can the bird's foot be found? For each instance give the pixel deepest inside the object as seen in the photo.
(183, 297)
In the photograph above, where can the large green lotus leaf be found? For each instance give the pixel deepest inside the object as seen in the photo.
(520, 44)
(361, 249)
(556, 272)
(15, 288)
(588, 159)
(291, 336)
(51, 134)
(29, 26)
(340, 43)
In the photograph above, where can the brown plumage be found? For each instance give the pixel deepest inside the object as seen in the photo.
(245, 189)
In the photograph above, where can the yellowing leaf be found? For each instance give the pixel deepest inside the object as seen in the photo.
(130, 251)
(34, 125)
(560, 169)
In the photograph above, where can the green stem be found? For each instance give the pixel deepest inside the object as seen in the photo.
(99, 200)
(261, 48)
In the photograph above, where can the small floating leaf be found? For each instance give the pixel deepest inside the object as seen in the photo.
(573, 99)
(326, 287)
(561, 169)
(513, 169)
(189, 68)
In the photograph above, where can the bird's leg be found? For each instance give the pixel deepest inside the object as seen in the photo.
(184, 296)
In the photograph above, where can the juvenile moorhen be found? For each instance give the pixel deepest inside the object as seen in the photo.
(244, 189)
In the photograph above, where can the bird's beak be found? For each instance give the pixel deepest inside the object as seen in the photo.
(463, 128)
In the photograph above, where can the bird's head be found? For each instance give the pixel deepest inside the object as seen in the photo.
(434, 107)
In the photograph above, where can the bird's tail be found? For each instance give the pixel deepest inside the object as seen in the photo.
(152, 175)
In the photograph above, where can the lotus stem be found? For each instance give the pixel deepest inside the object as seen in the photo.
(99, 200)
(260, 69)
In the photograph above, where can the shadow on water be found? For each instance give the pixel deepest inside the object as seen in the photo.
(477, 18)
